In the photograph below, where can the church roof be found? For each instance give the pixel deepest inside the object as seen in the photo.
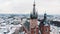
(27, 25)
(44, 22)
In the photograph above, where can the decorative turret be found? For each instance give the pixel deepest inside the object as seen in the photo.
(34, 14)
(45, 19)
(46, 22)
(45, 16)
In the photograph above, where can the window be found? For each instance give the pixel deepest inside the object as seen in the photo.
(47, 30)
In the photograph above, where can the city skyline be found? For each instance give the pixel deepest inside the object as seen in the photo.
(21, 6)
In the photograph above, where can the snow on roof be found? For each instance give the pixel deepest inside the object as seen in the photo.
(12, 30)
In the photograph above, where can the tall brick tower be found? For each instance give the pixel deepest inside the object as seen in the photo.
(44, 26)
(33, 21)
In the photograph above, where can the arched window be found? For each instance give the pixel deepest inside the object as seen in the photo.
(47, 30)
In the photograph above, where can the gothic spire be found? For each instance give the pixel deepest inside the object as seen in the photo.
(45, 15)
(34, 14)
(34, 7)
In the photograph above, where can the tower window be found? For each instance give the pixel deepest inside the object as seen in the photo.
(47, 30)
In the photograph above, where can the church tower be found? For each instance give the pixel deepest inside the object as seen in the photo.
(45, 26)
(33, 21)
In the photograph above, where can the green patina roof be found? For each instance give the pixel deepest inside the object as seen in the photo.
(27, 25)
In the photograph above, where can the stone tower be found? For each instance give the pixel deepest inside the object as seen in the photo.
(33, 21)
(44, 26)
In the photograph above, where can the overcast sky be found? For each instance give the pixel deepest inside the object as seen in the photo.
(26, 6)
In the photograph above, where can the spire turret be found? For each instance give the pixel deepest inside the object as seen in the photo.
(46, 22)
(34, 14)
(34, 7)
(45, 16)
